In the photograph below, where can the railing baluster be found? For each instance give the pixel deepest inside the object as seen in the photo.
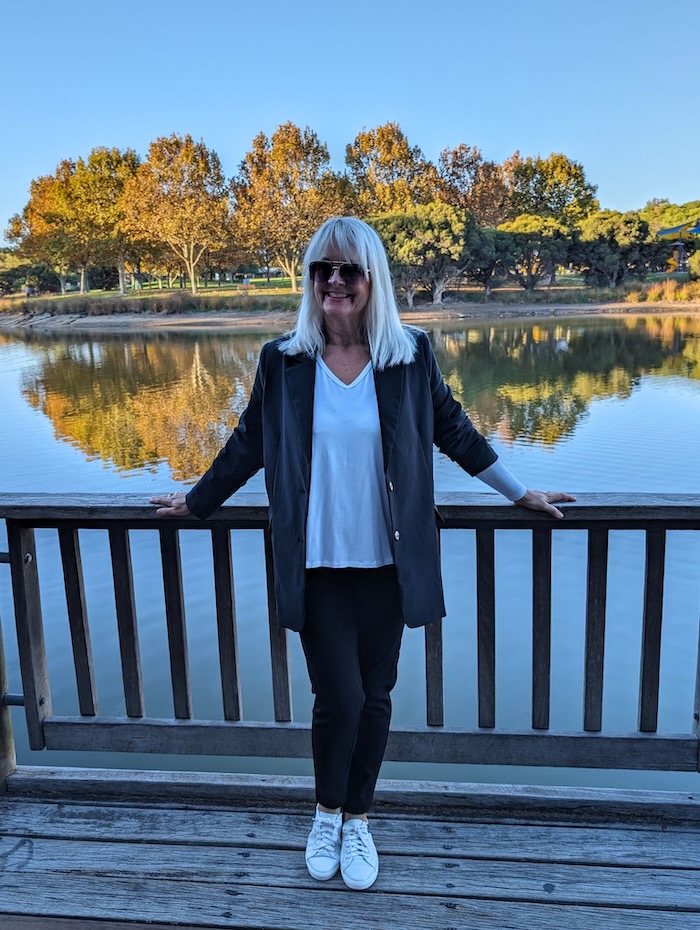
(486, 626)
(541, 627)
(126, 621)
(595, 629)
(77, 620)
(30, 631)
(175, 619)
(8, 761)
(226, 622)
(696, 701)
(279, 657)
(434, 682)
(651, 631)
(434, 675)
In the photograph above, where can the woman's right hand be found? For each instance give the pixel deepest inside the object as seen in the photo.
(171, 505)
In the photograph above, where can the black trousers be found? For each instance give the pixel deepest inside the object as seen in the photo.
(351, 639)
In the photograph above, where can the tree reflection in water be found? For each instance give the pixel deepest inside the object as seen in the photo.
(533, 382)
(137, 401)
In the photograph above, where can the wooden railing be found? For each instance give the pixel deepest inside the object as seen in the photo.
(124, 515)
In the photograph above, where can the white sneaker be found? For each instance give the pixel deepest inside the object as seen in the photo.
(323, 846)
(359, 862)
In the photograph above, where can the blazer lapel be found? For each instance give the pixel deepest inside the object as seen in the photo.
(300, 372)
(389, 387)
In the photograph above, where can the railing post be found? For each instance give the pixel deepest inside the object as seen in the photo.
(7, 743)
(30, 631)
(696, 705)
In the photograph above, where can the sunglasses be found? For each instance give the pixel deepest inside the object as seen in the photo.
(352, 274)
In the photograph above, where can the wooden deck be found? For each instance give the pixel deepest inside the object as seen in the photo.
(227, 851)
(116, 850)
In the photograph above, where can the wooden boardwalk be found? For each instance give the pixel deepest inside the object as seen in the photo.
(123, 851)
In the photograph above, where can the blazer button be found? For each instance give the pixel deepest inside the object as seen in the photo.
(397, 536)
(391, 486)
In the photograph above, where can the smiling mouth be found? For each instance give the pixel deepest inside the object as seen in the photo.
(336, 295)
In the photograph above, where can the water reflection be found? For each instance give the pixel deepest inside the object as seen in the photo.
(138, 400)
(533, 382)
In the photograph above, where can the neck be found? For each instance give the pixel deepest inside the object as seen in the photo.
(344, 338)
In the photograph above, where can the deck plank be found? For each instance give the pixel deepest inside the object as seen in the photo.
(674, 848)
(206, 905)
(665, 889)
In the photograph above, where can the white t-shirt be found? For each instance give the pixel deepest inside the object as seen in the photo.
(348, 523)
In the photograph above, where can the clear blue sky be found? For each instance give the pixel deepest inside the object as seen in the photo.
(611, 83)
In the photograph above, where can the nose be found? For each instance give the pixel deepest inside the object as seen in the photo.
(336, 276)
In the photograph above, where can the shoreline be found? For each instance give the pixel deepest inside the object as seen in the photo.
(246, 321)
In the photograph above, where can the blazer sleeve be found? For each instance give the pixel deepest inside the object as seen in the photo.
(240, 458)
(453, 431)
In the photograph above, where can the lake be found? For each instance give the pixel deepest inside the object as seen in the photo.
(584, 404)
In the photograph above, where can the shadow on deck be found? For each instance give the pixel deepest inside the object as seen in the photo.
(118, 850)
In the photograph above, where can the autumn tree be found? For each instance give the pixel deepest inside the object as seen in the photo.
(98, 187)
(40, 232)
(388, 174)
(283, 192)
(467, 182)
(553, 187)
(537, 245)
(178, 196)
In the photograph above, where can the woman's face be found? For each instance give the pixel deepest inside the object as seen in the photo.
(342, 302)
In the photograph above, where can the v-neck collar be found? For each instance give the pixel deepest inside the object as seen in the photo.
(336, 380)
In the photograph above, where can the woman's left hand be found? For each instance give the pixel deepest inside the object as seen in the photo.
(543, 500)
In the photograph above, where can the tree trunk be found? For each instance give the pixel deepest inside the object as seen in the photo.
(121, 271)
(62, 282)
(84, 283)
(487, 290)
(290, 266)
(192, 271)
(438, 289)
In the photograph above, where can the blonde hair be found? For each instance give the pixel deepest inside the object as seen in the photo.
(389, 342)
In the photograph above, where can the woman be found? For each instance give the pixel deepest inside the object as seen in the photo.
(343, 416)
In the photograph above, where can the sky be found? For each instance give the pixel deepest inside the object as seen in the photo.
(610, 83)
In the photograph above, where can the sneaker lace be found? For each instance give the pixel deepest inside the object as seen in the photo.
(324, 837)
(357, 841)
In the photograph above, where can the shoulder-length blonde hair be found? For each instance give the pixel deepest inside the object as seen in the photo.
(389, 342)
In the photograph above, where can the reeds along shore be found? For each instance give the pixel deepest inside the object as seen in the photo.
(658, 292)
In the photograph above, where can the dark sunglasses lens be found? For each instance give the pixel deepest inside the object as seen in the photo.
(321, 272)
(351, 274)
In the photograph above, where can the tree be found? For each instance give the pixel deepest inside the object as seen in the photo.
(466, 181)
(553, 187)
(283, 192)
(433, 240)
(40, 231)
(490, 250)
(610, 246)
(388, 174)
(537, 245)
(178, 196)
(661, 214)
(98, 185)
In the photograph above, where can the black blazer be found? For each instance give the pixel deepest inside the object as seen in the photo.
(416, 409)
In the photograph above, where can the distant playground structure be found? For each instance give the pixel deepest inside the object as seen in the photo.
(679, 260)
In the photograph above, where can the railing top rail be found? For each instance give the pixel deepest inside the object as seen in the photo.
(454, 509)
